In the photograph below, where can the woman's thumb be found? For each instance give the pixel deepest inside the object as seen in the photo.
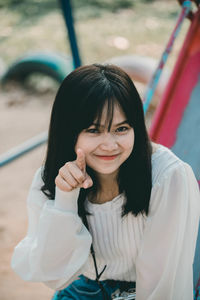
(87, 182)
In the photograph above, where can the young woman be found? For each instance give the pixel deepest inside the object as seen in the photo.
(109, 210)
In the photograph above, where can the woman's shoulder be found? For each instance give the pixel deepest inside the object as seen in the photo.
(164, 162)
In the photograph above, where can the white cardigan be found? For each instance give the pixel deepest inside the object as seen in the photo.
(155, 251)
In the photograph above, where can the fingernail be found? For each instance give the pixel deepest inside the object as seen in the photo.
(86, 185)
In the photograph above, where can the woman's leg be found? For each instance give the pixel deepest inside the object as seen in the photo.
(85, 289)
(81, 289)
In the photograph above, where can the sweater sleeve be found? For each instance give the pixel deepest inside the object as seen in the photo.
(164, 266)
(57, 245)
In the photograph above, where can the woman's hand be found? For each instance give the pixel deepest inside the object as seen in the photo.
(73, 174)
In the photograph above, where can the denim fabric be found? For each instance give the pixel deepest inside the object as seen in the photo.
(85, 289)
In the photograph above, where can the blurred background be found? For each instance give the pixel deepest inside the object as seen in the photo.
(104, 29)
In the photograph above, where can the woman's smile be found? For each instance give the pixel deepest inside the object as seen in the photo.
(107, 157)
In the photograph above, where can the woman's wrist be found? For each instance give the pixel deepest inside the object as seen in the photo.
(67, 200)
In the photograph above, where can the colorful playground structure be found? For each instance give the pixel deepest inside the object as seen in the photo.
(176, 123)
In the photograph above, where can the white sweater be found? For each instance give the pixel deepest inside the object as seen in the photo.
(155, 251)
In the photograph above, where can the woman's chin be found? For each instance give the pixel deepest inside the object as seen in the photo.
(104, 171)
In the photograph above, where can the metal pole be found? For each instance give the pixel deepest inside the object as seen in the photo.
(186, 6)
(23, 148)
(67, 13)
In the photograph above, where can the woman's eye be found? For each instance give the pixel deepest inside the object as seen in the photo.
(122, 129)
(92, 130)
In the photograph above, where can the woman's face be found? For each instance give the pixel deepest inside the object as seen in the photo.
(105, 150)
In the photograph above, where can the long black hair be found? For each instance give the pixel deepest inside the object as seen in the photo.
(79, 101)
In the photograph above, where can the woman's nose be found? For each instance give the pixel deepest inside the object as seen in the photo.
(108, 142)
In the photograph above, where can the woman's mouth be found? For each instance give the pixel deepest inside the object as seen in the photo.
(107, 157)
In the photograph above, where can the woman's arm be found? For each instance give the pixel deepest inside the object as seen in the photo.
(164, 263)
(57, 244)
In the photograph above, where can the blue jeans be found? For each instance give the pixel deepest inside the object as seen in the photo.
(85, 288)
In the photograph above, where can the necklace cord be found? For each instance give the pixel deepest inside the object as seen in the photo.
(98, 275)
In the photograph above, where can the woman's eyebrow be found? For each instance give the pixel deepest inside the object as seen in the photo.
(99, 125)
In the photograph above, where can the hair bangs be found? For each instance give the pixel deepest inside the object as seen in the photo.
(93, 105)
(123, 99)
(109, 105)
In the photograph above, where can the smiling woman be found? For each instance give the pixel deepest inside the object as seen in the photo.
(104, 207)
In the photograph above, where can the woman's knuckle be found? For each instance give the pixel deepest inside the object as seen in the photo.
(67, 164)
(80, 177)
(60, 172)
(73, 184)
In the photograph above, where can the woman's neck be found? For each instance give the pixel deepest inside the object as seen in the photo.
(106, 180)
(107, 188)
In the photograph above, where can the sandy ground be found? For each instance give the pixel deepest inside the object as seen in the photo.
(21, 116)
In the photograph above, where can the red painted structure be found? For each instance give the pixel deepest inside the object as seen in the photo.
(176, 123)
(180, 86)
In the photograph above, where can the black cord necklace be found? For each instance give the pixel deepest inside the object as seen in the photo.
(98, 275)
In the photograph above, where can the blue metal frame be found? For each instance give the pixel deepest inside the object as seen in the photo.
(68, 16)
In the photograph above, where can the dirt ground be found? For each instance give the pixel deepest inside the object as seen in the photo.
(20, 120)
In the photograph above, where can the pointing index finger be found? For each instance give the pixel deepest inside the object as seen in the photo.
(80, 160)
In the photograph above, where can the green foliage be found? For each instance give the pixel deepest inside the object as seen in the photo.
(26, 5)
(111, 5)
(82, 9)
(10, 3)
